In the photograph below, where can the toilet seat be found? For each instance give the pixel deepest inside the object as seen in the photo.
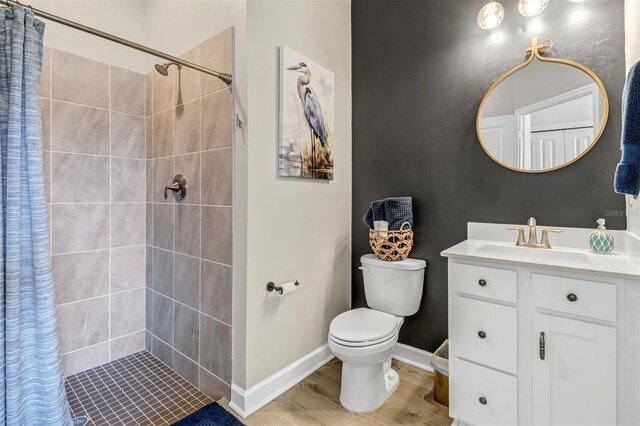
(363, 327)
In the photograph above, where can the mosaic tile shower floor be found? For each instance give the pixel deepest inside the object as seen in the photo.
(134, 390)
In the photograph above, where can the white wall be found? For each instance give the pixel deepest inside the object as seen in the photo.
(122, 18)
(632, 48)
(297, 229)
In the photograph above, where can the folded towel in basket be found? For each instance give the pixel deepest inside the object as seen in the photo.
(395, 210)
(398, 210)
(375, 213)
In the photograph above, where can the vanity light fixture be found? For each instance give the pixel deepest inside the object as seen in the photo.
(490, 15)
(576, 1)
(532, 7)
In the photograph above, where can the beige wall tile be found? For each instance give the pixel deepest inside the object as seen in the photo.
(45, 79)
(163, 174)
(185, 368)
(162, 271)
(79, 80)
(79, 276)
(148, 80)
(127, 312)
(128, 268)
(217, 120)
(128, 92)
(162, 351)
(163, 318)
(80, 129)
(186, 329)
(187, 280)
(188, 127)
(82, 324)
(189, 166)
(187, 231)
(128, 136)
(149, 137)
(163, 133)
(187, 82)
(163, 94)
(127, 344)
(163, 225)
(45, 110)
(46, 166)
(128, 180)
(79, 227)
(79, 178)
(216, 54)
(215, 338)
(128, 224)
(217, 177)
(217, 234)
(213, 386)
(217, 291)
(86, 358)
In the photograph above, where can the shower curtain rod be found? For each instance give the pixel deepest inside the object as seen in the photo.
(46, 15)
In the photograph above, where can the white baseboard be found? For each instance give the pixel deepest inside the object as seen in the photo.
(413, 356)
(246, 402)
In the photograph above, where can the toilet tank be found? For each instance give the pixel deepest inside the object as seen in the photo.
(393, 287)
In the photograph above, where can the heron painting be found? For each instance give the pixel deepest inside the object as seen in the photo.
(306, 118)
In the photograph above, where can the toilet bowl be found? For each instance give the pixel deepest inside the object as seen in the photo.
(363, 339)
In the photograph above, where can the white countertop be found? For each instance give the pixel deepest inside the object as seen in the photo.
(488, 242)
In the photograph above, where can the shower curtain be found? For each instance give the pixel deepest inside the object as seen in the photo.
(32, 389)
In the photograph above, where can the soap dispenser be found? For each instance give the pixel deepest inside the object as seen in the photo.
(600, 240)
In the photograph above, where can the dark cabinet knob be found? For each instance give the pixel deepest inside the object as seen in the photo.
(572, 297)
(482, 334)
(482, 283)
(483, 400)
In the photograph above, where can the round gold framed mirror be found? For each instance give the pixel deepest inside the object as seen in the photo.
(543, 115)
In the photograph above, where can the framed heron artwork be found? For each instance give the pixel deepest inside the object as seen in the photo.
(306, 118)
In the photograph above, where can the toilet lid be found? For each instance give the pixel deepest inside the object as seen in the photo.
(363, 325)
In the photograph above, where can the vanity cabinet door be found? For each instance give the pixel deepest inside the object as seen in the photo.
(574, 372)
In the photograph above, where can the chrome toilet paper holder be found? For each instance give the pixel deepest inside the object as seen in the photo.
(271, 287)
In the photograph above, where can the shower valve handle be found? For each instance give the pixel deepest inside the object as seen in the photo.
(179, 188)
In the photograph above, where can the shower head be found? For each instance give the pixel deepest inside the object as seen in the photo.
(163, 69)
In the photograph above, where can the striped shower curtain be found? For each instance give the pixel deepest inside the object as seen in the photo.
(32, 389)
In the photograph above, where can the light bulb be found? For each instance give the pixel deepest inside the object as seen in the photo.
(532, 7)
(576, 1)
(490, 15)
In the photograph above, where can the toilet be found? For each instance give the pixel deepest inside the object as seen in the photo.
(363, 338)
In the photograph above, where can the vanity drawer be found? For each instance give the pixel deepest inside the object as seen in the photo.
(580, 297)
(481, 396)
(493, 283)
(485, 333)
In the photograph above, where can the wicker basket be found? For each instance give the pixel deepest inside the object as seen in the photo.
(391, 245)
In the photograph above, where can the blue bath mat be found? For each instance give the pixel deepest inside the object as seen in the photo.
(210, 415)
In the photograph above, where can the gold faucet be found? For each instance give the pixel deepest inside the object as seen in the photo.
(533, 238)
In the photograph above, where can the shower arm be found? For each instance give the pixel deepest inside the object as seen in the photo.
(46, 15)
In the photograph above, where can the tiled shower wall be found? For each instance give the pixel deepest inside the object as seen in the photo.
(189, 242)
(94, 142)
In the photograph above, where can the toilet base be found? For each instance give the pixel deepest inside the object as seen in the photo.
(365, 388)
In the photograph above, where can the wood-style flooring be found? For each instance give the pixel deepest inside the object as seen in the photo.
(316, 401)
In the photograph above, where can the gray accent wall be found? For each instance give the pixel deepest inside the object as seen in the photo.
(420, 70)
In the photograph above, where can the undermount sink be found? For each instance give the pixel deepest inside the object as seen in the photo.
(527, 254)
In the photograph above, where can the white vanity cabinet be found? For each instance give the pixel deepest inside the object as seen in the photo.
(530, 345)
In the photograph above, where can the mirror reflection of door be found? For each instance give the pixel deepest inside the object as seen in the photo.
(542, 116)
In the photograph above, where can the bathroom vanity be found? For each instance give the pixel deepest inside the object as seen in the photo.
(543, 336)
